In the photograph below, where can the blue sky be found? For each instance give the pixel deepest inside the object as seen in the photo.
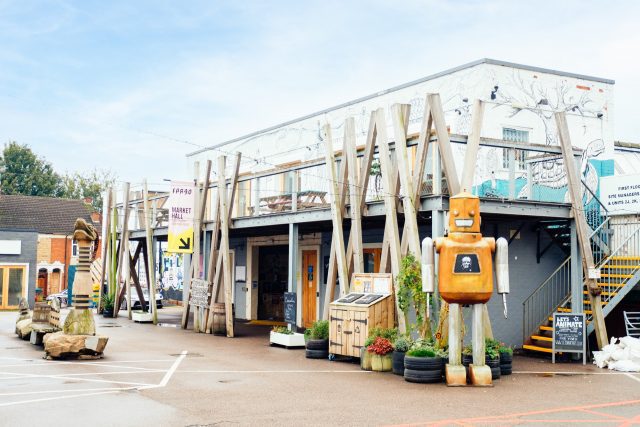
(133, 86)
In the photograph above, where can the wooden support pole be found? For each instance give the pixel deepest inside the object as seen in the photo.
(390, 207)
(127, 276)
(200, 204)
(444, 144)
(588, 264)
(106, 243)
(224, 244)
(473, 144)
(123, 245)
(355, 234)
(336, 210)
(150, 262)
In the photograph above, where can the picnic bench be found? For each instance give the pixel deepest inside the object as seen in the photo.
(283, 202)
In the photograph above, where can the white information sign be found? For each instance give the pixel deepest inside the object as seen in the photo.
(181, 199)
(620, 194)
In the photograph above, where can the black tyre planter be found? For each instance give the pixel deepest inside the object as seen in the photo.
(423, 369)
(505, 363)
(316, 354)
(398, 362)
(416, 376)
(423, 363)
(494, 364)
(317, 345)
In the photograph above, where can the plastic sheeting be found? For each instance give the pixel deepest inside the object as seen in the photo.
(620, 355)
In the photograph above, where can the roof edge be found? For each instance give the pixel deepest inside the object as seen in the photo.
(403, 86)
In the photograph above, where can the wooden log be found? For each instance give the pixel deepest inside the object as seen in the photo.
(473, 144)
(355, 235)
(123, 242)
(106, 245)
(391, 223)
(224, 244)
(444, 144)
(151, 284)
(336, 211)
(573, 181)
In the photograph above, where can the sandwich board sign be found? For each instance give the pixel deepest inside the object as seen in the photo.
(181, 215)
(569, 335)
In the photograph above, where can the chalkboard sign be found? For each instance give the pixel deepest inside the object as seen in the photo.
(569, 334)
(290, 307)
(199, 293)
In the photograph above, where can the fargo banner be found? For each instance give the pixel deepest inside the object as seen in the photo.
(181, 215)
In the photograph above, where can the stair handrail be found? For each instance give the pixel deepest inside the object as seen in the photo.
(620, 246)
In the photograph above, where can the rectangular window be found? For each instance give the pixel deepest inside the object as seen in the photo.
(514, 135)
(74, 248)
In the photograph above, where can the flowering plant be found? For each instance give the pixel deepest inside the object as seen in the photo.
(381, 346)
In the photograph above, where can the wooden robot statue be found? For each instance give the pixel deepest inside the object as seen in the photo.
(465, 271)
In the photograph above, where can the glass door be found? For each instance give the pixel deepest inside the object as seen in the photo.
(12, 285)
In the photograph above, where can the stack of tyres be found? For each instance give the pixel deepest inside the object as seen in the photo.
(423, 369)
(317, 349)
(494, 364)
(505, 363)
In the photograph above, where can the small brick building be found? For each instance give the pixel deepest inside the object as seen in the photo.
(56, 252)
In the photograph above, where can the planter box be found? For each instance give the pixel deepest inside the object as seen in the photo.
(141, 317)
(293, 340)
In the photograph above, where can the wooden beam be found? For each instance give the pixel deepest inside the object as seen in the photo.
(420, 165)
(390, 208)
(336, 210)
(106, 210)
(444, 144)
(151, 284)
(473, 144)
(355, 234)
(224, 244)
(124, 233)
(406, 182)
(574, 186)
(332, 273)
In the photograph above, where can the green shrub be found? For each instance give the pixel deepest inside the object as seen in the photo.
(402, 344)
(467, 350)
(108, 301)
(491, 353)
(282, 330)
(504, 349)
(388, 333)
(318, 331)
(421, 352)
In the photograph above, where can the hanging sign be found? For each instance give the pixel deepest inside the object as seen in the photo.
(181, 215)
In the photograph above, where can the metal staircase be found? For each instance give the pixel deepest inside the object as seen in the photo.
(620, 272)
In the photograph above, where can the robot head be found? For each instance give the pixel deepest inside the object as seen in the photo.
(464, 213)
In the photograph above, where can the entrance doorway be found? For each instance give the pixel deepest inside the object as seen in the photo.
(12, 285)
(273, 264)
(43, 283)
(309, 287)
(372, 259)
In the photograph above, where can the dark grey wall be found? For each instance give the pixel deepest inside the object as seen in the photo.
(28, 255)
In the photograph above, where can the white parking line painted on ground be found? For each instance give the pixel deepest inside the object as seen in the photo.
(98, 391)
(272, 372)
(65, 377)
(633, 377)
(566, 373)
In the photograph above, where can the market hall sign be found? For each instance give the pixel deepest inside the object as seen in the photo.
(620, 194)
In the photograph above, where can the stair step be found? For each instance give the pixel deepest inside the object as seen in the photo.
(611, 284)
(541, 338)
(621, 267)
(626, 258)
(603, 303)
(568, 310)
(606, 293)
(546, 328)
(617, 276)
(537, 348)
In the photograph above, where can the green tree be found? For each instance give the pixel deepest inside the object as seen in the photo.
(23, 172)
(91, 184)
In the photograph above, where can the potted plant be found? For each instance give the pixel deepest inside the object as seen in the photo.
(317, 340)
(422, 365)
(281, 335)
(492, 357)
(506, 359)
(409, 284)
(365, 357)
(380, 349)
(400, 347)
(107, 304)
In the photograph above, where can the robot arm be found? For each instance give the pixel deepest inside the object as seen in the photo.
(502, 270)
(428, 269)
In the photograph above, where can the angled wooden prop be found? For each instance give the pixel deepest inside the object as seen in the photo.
(355, 234)
(444, 144)
(388, 183)
(588, 265)
(150, 261)
(224, 245)
(336, 210)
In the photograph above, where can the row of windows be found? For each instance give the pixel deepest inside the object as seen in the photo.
(515, 135)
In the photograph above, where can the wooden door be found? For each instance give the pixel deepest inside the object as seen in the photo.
(12, 283)
(309, 287)
(372, 260)
(337, 342)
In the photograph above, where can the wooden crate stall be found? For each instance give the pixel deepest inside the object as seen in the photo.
(369, 305)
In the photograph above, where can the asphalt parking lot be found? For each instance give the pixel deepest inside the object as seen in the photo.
(165, 376)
